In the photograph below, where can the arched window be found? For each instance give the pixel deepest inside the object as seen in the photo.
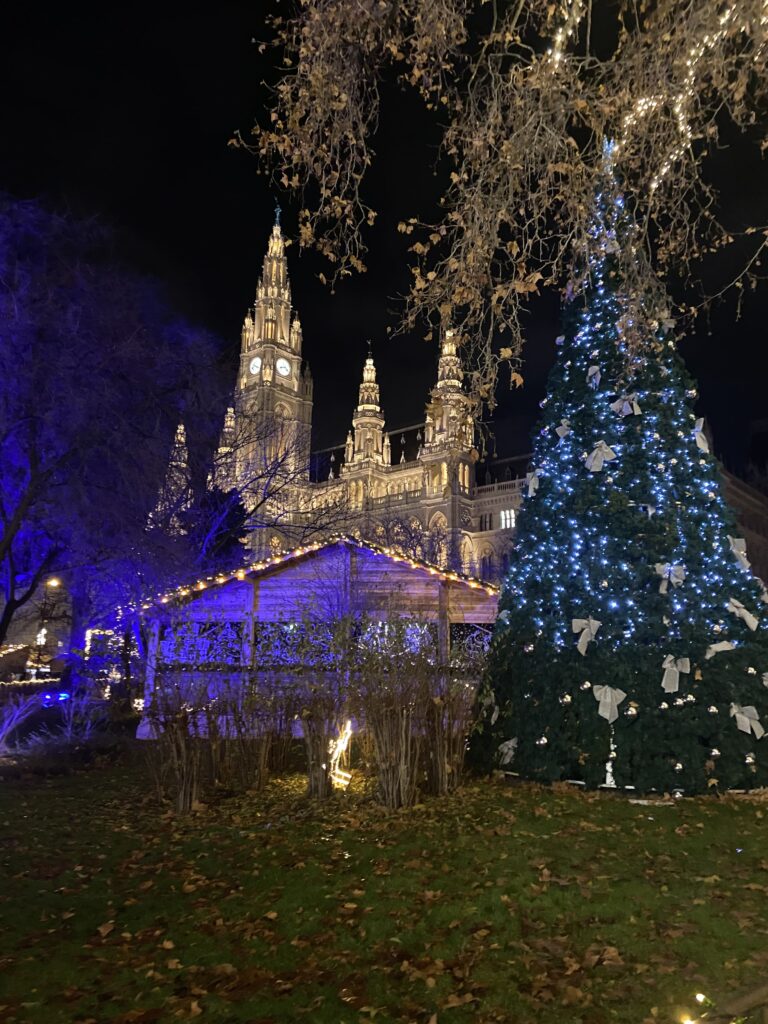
(466, 555)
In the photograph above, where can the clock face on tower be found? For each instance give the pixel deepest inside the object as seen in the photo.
(255, 364)
(283, 367)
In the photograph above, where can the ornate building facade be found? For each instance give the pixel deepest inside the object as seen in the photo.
(430, 499)
(428, 506)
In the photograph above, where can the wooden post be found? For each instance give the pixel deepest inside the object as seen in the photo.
(443, 622)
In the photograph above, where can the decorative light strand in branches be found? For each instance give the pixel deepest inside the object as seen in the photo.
(523, 126)
(575, 12)
(681, 101)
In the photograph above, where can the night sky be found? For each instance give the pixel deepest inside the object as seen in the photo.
(126, 112)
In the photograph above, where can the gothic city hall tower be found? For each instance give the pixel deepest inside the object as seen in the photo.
(267, 430)
(427, 503)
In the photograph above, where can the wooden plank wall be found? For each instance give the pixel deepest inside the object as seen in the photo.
(330, 583)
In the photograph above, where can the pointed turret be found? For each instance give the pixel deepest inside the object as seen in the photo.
(174, 498)
(367, 421)
(223, 472)
(271, 319)
(449, 416)
(295, 339)
(368, 398)
(449, 372)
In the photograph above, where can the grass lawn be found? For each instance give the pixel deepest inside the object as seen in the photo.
(514, 904)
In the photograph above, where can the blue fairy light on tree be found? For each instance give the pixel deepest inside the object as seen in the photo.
(632, 640)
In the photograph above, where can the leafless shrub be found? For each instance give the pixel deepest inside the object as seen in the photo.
(14, 711)
(285, 712)
(177, 717)
(323, 700)
(82, 715)
(239, 728)
(391, 688)
(450, 714)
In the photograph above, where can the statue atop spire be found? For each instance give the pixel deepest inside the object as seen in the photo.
(278, 211)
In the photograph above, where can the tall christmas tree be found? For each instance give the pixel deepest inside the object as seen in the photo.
(632, 640)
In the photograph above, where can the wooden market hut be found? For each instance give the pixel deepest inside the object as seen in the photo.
(211, 627)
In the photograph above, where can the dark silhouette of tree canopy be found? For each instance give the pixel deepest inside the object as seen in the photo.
(217, 526)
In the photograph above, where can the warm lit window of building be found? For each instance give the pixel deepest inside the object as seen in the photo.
(507, 518)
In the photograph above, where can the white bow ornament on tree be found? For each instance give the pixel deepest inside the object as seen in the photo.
(609, 699)
(672, 668)
(738, 609)
(593, 376)
(739, 548)
(674, 574)
(533, 482)
(747, 719)
(701, 438)
(627, 405)
(564, 429)
(600, 454)
(721, 645)
(507, 751)
(587, 628)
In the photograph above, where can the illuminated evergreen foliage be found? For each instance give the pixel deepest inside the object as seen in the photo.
(625, 525)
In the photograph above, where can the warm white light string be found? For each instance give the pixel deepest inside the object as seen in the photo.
(682, 100)
(574, 14)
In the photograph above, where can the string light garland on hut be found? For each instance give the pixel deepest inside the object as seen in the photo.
(185, 590)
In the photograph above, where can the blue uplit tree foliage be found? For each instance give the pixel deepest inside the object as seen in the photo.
(95, 372)
(632, 631)
(216, 529)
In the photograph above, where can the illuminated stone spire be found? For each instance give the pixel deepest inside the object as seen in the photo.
(175, 496)
(270, 320)
(223, 472)
(449, 371)
(368, 419)
(368, 399)
(449, 416)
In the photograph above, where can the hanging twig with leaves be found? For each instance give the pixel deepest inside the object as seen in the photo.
(526, 93)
